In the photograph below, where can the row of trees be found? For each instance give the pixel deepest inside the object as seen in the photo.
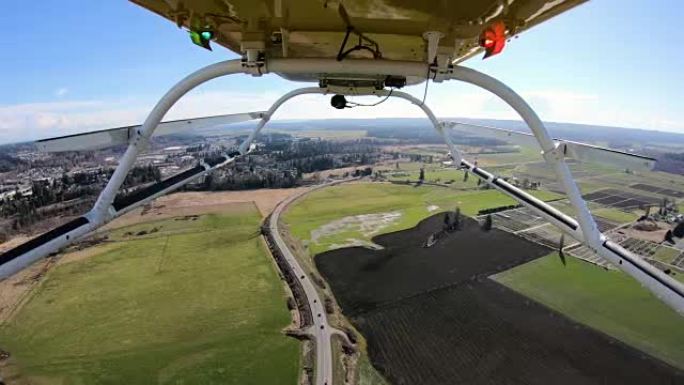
(453, 221)
(142, 175)
(65, 160)
(312, 148)
(230, 180)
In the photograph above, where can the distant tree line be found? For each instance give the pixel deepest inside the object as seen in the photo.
(493, 210)
(318, 155)
(428, 135)
(241, 179)
(65, 160)
(670, 162)
(68, 195)
(312, 148)
(8, 162)
(141, 175)
(675, 156)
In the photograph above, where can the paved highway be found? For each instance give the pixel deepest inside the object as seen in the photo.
(320, 330)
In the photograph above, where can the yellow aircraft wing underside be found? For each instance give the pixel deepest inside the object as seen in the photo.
(316, 28)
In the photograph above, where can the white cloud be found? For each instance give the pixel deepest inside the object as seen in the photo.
(33, 121)
(60, 92)
(40, 120)
(569, 107)
(556, 106)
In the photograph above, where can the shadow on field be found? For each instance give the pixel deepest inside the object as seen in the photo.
(431, 315)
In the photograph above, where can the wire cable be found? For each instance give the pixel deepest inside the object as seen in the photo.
(354, 104)
(427, 82)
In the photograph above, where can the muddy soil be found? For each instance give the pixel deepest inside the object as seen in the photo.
(431, 315)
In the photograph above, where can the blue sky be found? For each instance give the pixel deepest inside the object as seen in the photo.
(68, 66)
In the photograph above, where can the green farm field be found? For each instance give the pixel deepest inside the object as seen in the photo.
(525, 154)
(196, 300)
(615, 215)
(411, 203)
(437, 175)
(608, 301)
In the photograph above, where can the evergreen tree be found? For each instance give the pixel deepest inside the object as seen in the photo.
(487, 223)
(669, 237)
(456, 222)
(679, 230)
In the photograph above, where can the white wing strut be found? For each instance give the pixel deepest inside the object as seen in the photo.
(576, 150)
(96, 140)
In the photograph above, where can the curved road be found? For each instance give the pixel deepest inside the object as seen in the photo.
(320, 331)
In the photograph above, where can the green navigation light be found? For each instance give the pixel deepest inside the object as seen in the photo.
(202, 39)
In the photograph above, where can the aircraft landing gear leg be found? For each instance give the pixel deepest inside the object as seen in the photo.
(103, 211)
(660, 284)
(550, 151)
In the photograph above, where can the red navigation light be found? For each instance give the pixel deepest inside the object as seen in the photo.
(493, 39)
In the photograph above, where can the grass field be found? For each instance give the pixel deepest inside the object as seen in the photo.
(616, 215)
(408, 166)
(666, 254)
(326, 205)
(526, 154)
(195, 302)
(608, 301)
(439, 175)
(367, 374)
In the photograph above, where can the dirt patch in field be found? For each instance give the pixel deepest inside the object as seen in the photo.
(655, 236)
(15, 289)
(264, 199)
(353, 242)
(432, 315)
(366, 224)
(197, 203)
(14, 242)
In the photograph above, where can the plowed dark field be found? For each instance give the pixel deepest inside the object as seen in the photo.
(658, 190)
(431, 315)
(621, 199)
